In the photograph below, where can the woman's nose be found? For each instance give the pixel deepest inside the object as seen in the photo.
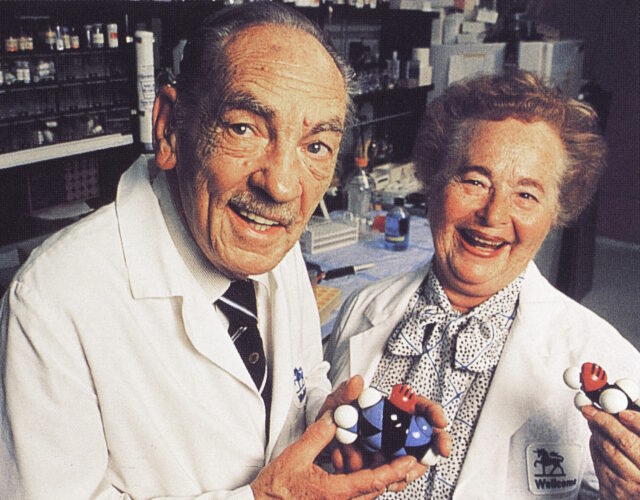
(279, 176)
(495, 211)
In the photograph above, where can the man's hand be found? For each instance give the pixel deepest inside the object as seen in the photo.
(294, 475)
(615, 450)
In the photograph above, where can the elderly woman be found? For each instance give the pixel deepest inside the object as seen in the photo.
(504, 159)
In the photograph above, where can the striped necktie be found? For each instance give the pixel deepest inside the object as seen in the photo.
(238, 304)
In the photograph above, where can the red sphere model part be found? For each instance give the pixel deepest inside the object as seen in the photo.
(591, 382)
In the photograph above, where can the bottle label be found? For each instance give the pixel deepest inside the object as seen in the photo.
(11, 44)
(75, 42)
(395, 239)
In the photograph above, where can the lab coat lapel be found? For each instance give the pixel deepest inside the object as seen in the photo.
(282, 362)
(534, 346)
(383, 313)
(157, 271)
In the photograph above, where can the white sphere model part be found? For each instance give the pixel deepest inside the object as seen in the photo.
(613, 400)
(629, 387)
(345, 416)
(581, 400)
(344, 436)
(571, 377)
(430, 458)
(369, 397)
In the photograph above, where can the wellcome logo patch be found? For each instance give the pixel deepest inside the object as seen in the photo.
(299, 385)
(553, 468)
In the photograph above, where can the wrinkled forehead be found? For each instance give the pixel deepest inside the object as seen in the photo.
(287, 57)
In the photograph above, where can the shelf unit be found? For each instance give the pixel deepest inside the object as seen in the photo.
(29, 163)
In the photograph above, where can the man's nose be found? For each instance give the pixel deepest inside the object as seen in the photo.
(279, 175)
(496, 210)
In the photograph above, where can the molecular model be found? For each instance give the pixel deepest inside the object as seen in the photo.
(388, 425)
(591, 383)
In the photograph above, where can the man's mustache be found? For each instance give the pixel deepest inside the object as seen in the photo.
(283, 213)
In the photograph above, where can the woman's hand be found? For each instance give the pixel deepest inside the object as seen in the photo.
(615, 450)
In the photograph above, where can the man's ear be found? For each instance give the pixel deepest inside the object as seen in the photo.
(164, 137)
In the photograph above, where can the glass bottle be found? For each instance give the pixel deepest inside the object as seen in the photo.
(359, 189)
(396, 227)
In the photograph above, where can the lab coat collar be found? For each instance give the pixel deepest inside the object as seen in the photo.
(153, 263)
(535, 347)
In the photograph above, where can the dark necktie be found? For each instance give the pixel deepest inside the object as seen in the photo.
(238, 304)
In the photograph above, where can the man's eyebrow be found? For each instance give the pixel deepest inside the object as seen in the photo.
(247, 102)
(334, 124)
(465, 169)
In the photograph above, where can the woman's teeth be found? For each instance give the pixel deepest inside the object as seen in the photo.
(261, 224)
(476, 240)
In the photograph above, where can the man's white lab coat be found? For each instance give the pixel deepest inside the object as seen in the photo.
(118, 379)
(528, 406)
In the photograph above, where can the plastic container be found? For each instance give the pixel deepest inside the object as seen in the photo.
(396, 227)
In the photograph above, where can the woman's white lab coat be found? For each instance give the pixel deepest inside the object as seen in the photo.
(120, 379)
(528, 408)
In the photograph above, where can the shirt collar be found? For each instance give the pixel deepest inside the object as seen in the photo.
(212, 281)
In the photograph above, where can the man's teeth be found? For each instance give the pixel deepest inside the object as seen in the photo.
(262, 224)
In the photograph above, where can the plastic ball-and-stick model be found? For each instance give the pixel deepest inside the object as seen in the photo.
(386, 425)
(591, 383)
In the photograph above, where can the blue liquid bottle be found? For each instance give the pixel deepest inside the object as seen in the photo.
(396, 228)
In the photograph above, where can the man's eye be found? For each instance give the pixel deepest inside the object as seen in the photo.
(473, 182)
(240, 128)
(318, 149)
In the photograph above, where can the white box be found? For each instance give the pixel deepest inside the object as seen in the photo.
(559, 63)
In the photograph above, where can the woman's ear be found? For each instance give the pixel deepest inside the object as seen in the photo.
(164, 138)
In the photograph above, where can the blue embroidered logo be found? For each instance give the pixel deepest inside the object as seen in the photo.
(298, 380)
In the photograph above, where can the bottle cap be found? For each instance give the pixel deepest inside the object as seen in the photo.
(361, 161)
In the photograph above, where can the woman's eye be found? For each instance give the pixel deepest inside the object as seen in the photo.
(318, 149)
(528, 196)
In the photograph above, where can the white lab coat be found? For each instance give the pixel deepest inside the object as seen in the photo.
(118, 379)
(527, 402)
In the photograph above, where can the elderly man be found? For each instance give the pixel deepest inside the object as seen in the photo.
(168, 345)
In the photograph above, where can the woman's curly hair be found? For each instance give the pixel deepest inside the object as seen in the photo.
(444, 133)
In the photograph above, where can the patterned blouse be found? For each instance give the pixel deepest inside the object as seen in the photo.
(450, 358)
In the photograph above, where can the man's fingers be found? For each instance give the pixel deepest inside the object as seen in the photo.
(337, 459)
(371, 481)
(353, 458)
(432, 411)
(315, 439)
(352, 389)
(346, 392)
